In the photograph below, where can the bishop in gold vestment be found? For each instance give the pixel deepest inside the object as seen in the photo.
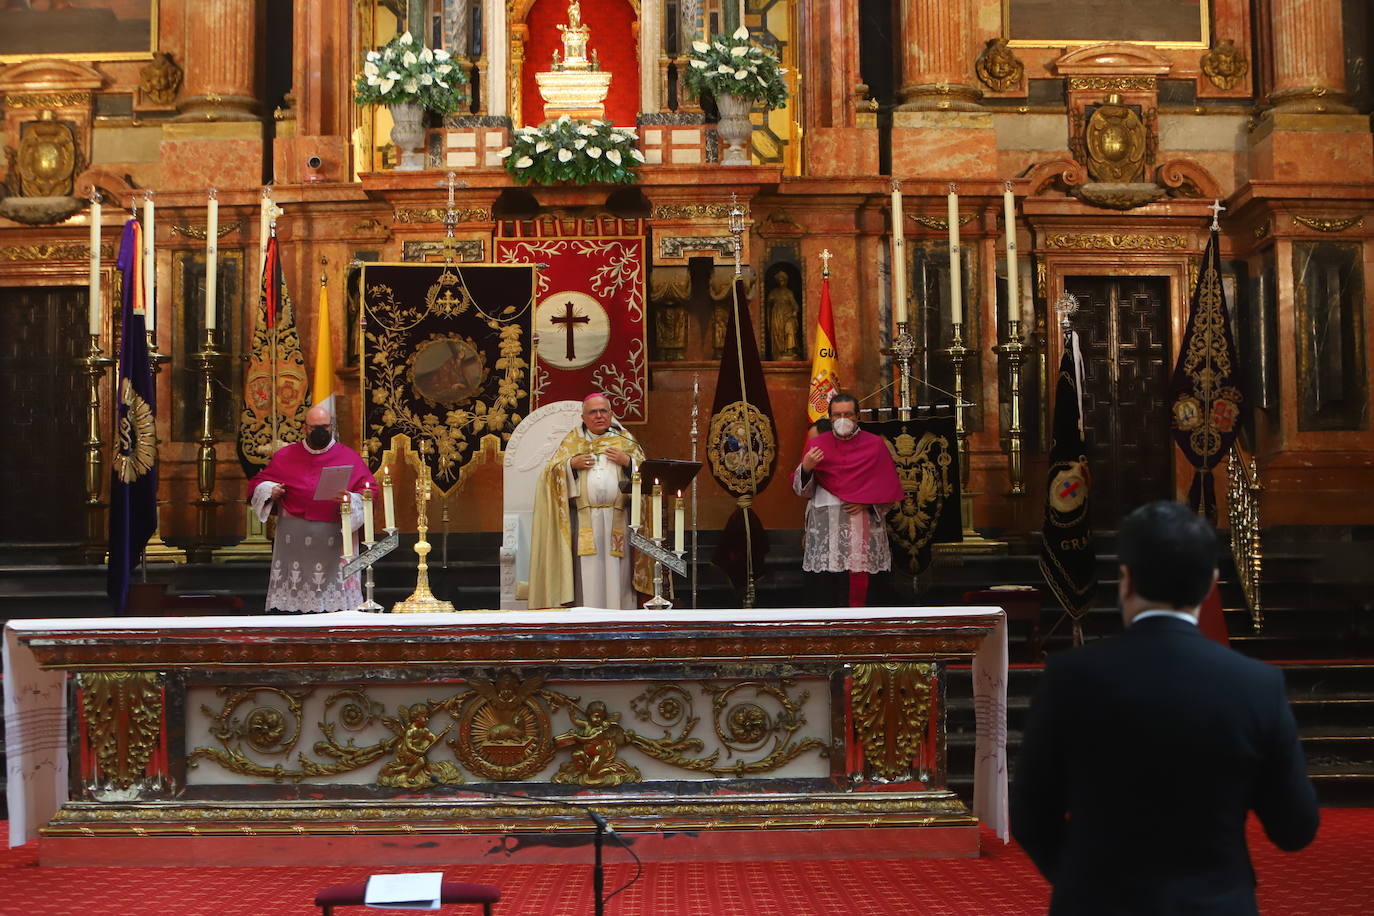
(580, 550)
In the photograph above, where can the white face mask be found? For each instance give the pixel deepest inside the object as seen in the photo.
(844, 427)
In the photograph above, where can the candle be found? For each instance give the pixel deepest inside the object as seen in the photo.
(898, 256)
(346, 523)
(211, 258)
(956, 276)
(369, 529)
(656, 509)
(149, 266)
(679, 524)
(388, 500)
(634, 497)
(1013, 287)
(94, 304)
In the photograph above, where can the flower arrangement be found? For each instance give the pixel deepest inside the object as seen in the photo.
(581, 152)
(736, 65)
(403, 70)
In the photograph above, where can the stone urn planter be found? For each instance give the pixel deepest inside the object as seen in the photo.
(408, 134)
(734, 127)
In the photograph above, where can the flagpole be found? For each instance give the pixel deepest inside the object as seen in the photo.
(737, 230)
(272, 340)
(696, 411)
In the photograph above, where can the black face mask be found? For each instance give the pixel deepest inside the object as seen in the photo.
(318, 436)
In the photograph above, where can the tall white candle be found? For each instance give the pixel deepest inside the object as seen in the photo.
(656, 510)
(679, 524)
(956, 276)
(94, 305)
(635, 482)
(346, 524)
(388, 500)
(211, 258)
(369, 525)
(898, 255)
(1013, 286)
(149, 266)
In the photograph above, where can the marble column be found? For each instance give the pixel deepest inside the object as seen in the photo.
(1309, 59)
(221, 61)
(937, 57)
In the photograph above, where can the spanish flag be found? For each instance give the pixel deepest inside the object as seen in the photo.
(322, 383)
(825, 382)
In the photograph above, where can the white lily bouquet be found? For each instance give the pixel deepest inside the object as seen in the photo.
(736, 65)
(403, 70)
(577, 151)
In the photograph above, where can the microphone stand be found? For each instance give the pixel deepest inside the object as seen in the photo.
(598, 875)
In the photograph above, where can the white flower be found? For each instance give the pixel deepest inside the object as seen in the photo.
(562, 119)
(524, 162)
(409, 59)
(700, 47)
(370, 70)
(564, 155)
(543, 146)
(505, 153)
(426, 79)
(405, 39)
(612, 155)
(386, 85)
(740, 32)
(586, 131)
(441, 83)
(443, 69)
(739, 52)
(722, 69)
(627, 132)
(594, 152)
(440, 54)
(699, 64)
(741, 74)
(410, 86)
(527, 132)
(393, 75)
(579, 143)
(373, 55)
(762, 81)
(426, 55)
(639, 157)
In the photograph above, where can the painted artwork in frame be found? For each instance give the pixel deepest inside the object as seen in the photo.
(1057, 23)
(77, 29)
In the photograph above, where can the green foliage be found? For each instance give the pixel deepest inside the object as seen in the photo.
(403, 70)
(735, 65)
(577, 151)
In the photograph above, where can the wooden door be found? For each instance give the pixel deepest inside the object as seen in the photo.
(1123, 329)
(42, 414)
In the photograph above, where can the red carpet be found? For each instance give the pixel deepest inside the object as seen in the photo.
(1332, 877)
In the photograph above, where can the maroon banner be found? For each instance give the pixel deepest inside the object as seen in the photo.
(589, 308)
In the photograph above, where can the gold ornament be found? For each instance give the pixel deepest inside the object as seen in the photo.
(1225, 65)
(923, 467)
(741, 447)
(136, 451)
(891, 704)
(47, 158)
(998, 68)
(160, 79)
(1115, 143)
(123, 720)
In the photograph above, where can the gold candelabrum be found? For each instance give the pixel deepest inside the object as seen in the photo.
(157, 548)
(957, 353)
(1014, 351)
(206, 362)
(94, 364)
(422, 600)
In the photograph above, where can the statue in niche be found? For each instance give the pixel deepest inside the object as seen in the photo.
(784, 319)
(670, 289)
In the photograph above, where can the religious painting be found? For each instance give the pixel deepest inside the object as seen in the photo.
(78, 29)
(1055, 23)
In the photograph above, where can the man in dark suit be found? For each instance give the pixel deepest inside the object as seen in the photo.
(1144, 752)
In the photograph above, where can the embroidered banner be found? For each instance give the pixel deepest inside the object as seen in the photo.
(925, 450)
(274, 385)
(446, 355)
(589, 312)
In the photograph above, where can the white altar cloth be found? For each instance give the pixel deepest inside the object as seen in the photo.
(36, 712)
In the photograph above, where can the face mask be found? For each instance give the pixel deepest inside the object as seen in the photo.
(844, 427)
(318, 436)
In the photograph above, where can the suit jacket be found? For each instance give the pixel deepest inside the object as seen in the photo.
(1142, 755)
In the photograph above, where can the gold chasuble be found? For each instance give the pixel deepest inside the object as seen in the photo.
(553, 547)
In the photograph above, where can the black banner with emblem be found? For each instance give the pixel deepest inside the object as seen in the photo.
(1205, 390)
(1067, 559)
(742, 446)
(446, 358)
(926, 452)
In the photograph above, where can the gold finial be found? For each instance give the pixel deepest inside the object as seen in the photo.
(825, 262)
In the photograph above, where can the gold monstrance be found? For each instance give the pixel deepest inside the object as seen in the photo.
(574, 85)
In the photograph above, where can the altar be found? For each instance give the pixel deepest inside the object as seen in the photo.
(438, 737)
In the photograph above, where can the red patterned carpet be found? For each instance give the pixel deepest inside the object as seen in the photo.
(1333, 877)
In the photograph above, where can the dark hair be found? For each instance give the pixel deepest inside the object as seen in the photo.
(842, 396)
(1170, 552)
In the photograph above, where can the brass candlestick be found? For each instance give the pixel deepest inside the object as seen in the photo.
(206, 361)
(972, 542)
(157, 548)
(1014, 351)
(904, 350)
(422, 600)
(94, 364)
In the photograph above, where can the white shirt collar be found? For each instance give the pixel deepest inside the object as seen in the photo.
(1162, 612)
(317, 451)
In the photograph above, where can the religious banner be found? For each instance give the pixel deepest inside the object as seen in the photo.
(589, 308)
(274, 383)
(133, 477)
(1206, 389)
(446, 358)
(1067, 559)
(925, 449)
(742, 447)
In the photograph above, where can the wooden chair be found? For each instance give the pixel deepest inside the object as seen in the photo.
(449, 892)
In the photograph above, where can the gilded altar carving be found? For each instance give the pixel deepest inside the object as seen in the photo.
(1112, 84)
(998, 68)
(439, 214)
(674, 247)
(160, 79)
(1329, 223)
(1115, 143)
(199, 232)
(72, 99)
(411, 767)
(1225, 64)
(67, 251)
(939, 223)
(122, 711)
(48, 158)
(504, 732)
(1095, 241)
(595, 740)
(694, 211)
(891, 703)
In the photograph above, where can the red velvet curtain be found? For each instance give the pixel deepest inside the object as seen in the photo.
(612, 23)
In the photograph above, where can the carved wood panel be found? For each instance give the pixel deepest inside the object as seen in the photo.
(42, 413)
(1123, 328)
